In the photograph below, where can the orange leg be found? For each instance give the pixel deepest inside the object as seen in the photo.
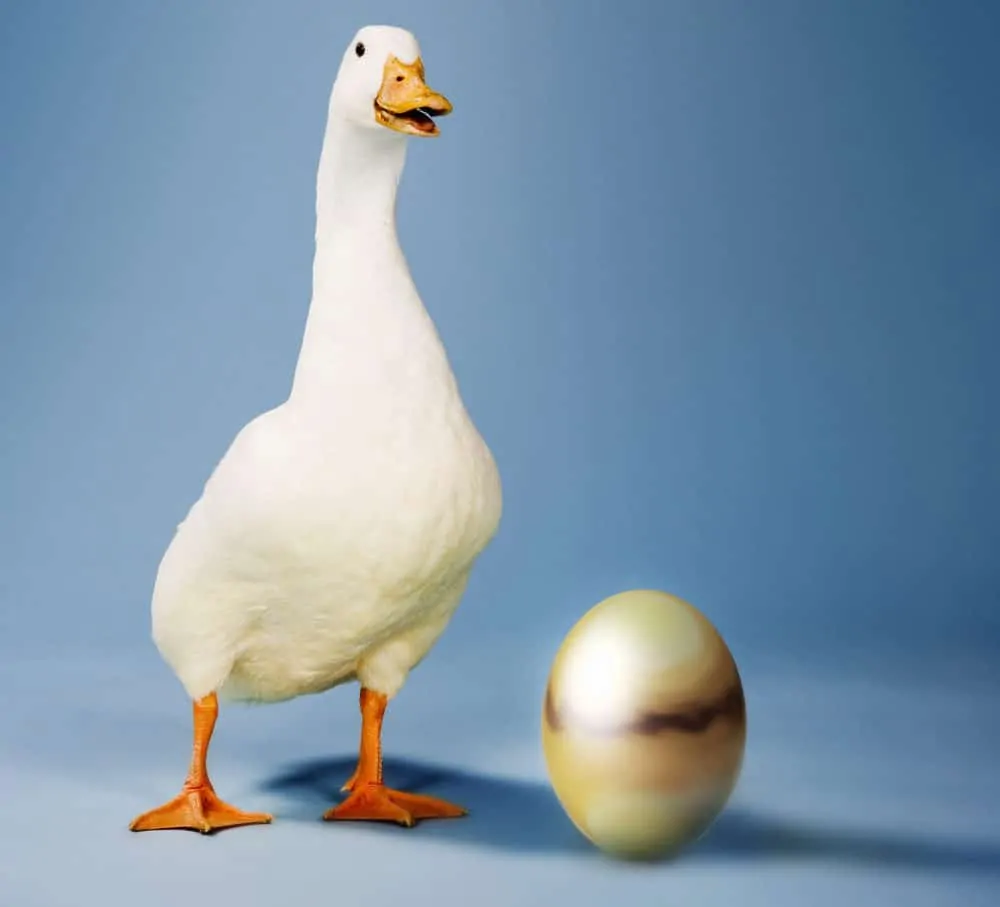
(370, 799)
(197, 807)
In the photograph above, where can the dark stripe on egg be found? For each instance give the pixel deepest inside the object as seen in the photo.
(693, 720)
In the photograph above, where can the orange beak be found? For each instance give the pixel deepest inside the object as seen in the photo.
(405, 103)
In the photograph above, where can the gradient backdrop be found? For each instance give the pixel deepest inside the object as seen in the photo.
(720, 281)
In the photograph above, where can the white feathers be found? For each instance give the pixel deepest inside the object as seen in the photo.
(335, 538)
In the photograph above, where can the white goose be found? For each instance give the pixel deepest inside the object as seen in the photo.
(335, 538)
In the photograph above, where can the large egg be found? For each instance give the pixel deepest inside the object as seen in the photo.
(644, 724)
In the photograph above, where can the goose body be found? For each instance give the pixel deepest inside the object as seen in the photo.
(335, 538)
(327, 549)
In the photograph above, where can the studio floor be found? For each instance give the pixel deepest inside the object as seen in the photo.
(878, 790)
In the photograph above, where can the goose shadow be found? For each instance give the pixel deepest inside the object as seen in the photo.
(519, 816)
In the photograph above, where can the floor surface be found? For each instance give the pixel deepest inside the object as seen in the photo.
(877, 790)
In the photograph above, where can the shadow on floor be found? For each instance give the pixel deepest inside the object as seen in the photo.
(524, 816)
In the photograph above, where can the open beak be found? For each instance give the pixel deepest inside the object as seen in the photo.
(405, 103)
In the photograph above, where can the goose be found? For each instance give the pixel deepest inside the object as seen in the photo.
(334, 540)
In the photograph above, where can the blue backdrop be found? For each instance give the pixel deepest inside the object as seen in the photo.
(720, 283)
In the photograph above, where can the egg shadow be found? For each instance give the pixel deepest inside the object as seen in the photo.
(519, 816)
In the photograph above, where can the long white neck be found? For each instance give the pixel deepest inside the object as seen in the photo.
(368, 336)
(356, 185)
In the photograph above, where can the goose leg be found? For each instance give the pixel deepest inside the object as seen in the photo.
(198, 807)
(370, 799)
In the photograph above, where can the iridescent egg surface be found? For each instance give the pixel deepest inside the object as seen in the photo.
(643, 724)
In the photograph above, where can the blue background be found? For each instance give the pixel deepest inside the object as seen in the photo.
(720, 282)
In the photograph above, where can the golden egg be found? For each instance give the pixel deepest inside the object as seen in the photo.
(644, 724)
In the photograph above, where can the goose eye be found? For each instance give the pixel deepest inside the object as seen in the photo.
(359, 49)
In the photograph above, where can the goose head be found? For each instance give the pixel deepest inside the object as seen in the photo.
(381, 85)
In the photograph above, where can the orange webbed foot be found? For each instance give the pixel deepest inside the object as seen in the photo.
(378, 803)
(196, 809)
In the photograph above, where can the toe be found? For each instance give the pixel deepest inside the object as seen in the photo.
(376, 803)
(350, 783)
(424, 807)
(370, 804)
(196, 810)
